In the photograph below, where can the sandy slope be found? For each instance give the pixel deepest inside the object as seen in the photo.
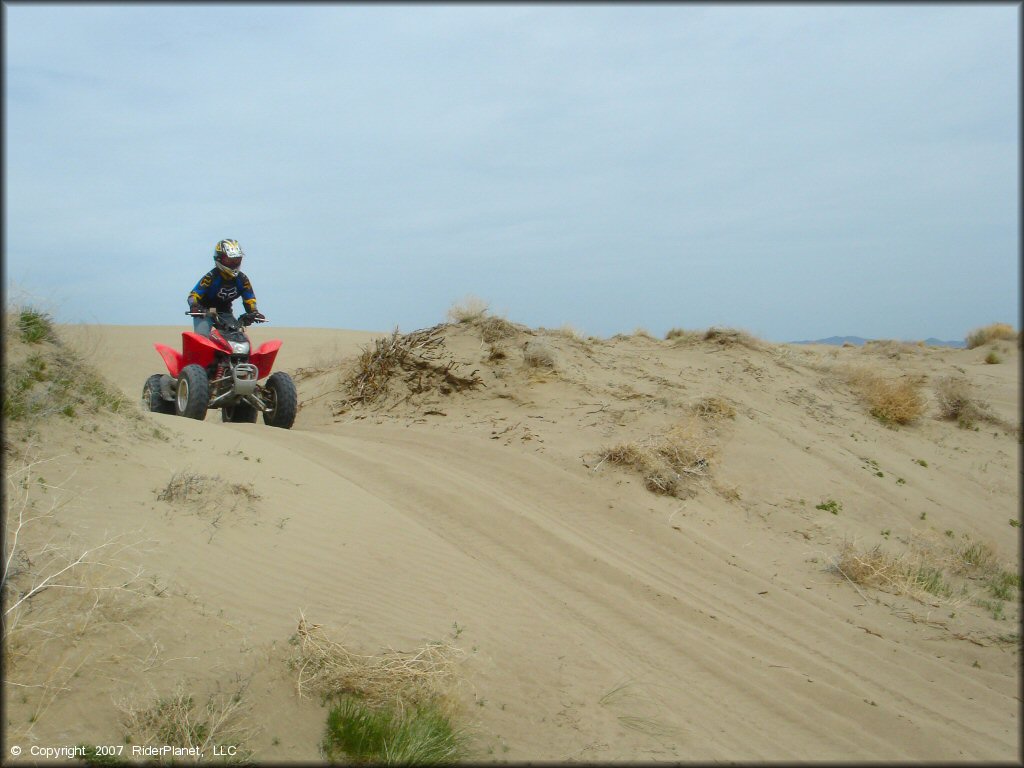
(600, 621)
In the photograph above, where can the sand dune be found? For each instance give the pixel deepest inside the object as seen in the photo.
(600, 621)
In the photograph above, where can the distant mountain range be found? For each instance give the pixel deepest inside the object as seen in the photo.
(859, 341)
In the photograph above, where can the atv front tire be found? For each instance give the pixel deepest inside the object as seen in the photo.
(152, 400)
(239, 413)
(282, 401)
(193, 395)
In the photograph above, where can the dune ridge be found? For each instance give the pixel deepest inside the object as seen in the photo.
(600, 620)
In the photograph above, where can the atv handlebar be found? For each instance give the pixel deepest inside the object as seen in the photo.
(246, 318)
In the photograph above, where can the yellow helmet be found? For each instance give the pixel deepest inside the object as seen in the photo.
(228, 257)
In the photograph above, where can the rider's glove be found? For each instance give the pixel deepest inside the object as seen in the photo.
(257, 316)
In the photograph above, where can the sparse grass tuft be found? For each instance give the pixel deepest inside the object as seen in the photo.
(890, 348)
(831, 505)
(973, 557)
(898, 402)
(570, 332)
(475, 312)
(537, 354)
(468, 310)
(682, 337)
(186, 486)
(991, 332)
(728, 337)
(55, 381)
(208, 497)
(940, 570)
(175, 720)
(397, 707)
(667, 462)
(57, 588)
(494, 329)
(956, 401)
(891, 401)
(361, 733)
(992, 358)
(898, 574)
(1002, 584)
(714, 407)
(35, 326)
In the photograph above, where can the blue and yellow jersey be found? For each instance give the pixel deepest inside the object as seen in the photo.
(215, 290)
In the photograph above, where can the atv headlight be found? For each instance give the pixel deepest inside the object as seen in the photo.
(240, 347)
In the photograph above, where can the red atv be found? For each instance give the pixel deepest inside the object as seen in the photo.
(221, 372)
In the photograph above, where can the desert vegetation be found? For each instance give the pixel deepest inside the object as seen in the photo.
(723, 337)
(991, 332)
(958, 571)
(187, 486)
(222, 719)
(688, 423)
(682, 336)
(958, 402)
(470, 309)
(419, 359)
(891, 400)
(393, 708)
(538, 354)
(476, 313)
(729, 337)
(35, 326)
(43, 377)
(59, 585)
(671, 462)
(891, 348)
(714, 407)
(209, 497)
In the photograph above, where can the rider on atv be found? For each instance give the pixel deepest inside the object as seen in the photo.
(217, 289)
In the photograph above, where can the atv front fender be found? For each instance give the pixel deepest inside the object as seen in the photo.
(197, 349)
(263, 358)
(172, 359)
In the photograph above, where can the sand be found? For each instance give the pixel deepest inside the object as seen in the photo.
(599, 621)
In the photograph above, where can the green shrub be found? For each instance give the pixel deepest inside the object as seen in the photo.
(35, 326)
(421, 735)
(1003, 583)
(54, 381)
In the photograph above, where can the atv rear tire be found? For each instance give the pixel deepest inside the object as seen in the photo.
(282, 401)
(152, 400)
(193, 395)
(239, 413)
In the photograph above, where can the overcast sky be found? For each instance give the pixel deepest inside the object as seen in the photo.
(795, 171)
